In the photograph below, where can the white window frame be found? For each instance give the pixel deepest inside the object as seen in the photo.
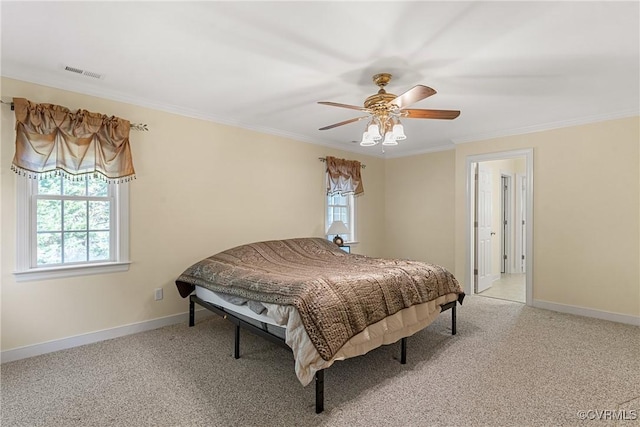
(351, 239)
(26, 268)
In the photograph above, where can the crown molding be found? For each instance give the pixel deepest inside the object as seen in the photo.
(548, 126)
(445, 147)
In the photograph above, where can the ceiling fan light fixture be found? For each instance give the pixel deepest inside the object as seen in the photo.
(385, 109)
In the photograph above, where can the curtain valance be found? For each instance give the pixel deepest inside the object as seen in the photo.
(343, 176)
(52, 139)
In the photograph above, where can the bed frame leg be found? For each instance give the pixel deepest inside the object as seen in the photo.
(192, 312)
(453, 320)
(236, 348)
(319, 391)
(403, 351)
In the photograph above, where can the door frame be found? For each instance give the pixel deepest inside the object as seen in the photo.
(470, 206)
(507, 212)
(521, 217)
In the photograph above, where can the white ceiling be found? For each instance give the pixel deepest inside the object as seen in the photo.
(510, 67)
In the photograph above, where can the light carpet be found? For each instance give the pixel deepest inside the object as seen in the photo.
(509, 364)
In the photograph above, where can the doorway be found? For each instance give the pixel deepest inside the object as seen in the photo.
(499, 226)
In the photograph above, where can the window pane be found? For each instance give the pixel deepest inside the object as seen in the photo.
(49, 249)
(337, 199)
(98, 215)
(75, 247)
(49, 215)
(339, 209)
(73, 187)
(75, 215)
(99, 246)
(49, 185)
(97, 188)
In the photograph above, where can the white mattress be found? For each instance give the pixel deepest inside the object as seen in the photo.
(210, 296)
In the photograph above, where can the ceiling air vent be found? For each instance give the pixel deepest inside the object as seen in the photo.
(83, 72)
(73, 70)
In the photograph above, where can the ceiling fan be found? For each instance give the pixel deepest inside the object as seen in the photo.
(384, 111)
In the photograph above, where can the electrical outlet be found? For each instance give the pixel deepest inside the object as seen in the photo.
(158, 294)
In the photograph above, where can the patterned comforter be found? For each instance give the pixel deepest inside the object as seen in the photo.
(337, 294)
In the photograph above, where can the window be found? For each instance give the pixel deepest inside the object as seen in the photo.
(341, 207)
(69, 227)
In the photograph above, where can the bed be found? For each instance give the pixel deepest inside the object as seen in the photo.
(322, 303)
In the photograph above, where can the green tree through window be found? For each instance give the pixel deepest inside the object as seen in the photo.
(73, 221)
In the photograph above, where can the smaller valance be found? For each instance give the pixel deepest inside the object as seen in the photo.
(51, 139)
(343, 176)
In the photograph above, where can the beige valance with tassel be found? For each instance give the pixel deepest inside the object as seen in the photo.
(343, 176)
(51, 139)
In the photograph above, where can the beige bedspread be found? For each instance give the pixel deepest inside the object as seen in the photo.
(337, 294)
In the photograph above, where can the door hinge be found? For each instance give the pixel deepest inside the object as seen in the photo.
(522, 256)
(505, 257)
(475, 271)
(475, 224)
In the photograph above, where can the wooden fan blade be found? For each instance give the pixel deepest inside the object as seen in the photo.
(413, 95)
(431, 114)
(335, 104)
(346, 122)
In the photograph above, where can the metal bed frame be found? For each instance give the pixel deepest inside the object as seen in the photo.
(319, 376)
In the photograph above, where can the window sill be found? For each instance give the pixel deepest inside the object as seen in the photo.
(44, 273)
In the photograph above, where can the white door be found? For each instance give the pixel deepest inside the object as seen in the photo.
(483, 229)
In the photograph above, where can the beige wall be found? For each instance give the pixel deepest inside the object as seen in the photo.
(200, 188)
(419, 205)
(586, 210)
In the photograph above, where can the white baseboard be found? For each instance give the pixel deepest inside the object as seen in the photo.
(93, 337)
(588, 312)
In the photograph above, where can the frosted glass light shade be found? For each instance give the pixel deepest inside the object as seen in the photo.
(389, 139)
(398, 132)
(374, 132)
(367, 141)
